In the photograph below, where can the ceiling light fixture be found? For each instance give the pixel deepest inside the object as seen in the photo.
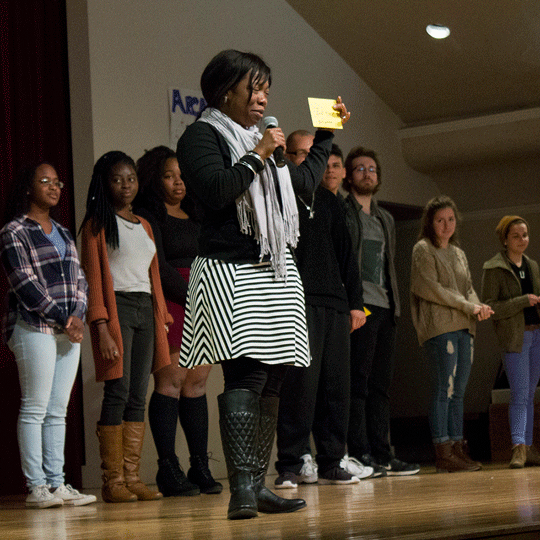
(438, 31)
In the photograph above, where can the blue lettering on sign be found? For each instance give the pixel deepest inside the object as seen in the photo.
(177, 101)
(189, 105)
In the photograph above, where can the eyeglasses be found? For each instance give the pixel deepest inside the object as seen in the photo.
(48, 182)
(299, 153)
(362, 169)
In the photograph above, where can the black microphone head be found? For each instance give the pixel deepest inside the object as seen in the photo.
(269, 122)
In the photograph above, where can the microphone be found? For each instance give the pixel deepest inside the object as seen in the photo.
(271, 122)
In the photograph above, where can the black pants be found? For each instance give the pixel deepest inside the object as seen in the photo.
(249, 374)
(372, 362)
(316, 399)
(125, 398)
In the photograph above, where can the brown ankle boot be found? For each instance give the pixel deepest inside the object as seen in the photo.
(133, 437)
(112, 463)
(461, 450)
(447, 461)
(519, 456)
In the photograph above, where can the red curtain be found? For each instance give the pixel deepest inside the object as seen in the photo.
(35, 125)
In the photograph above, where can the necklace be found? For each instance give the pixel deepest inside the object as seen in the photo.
(125, 222)
(310, 209)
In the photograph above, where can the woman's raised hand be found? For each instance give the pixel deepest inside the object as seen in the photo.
(342, 109)
(343, 113)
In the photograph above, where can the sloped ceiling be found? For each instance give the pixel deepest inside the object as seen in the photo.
(478, 90)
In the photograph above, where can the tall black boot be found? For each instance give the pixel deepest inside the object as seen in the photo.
(238, 423)
(268, 502)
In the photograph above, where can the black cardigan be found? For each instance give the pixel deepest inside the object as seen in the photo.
(326, 261)
(205, 164)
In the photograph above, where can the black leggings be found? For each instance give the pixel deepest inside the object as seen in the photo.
(249, 374)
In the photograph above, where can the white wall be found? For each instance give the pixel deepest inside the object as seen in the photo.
(125, 54)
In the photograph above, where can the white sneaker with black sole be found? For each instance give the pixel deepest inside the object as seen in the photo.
(308, 472)
(356, 468)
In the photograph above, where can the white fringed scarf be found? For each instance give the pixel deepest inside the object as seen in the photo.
(258, 207)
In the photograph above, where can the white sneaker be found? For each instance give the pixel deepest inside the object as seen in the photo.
(355, 467)
(72, 497)
(308, 472)
(41, 497)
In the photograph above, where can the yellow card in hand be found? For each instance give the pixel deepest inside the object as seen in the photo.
(323, 115)
(367, 312)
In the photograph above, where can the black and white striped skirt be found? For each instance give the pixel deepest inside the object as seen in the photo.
(235, 310)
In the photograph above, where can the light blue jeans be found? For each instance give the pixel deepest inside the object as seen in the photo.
(47, 367)
(523, 371)
(450, 356)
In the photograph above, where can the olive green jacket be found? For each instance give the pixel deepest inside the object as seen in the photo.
(501, 289)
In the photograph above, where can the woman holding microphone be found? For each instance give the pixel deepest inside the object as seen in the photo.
(245, 306)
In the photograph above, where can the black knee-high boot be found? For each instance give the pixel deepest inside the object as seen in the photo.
(239, 424)
(267, 501)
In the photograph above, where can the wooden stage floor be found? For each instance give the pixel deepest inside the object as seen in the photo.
(495, 503)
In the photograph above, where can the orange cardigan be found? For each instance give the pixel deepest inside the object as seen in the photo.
(102, 304)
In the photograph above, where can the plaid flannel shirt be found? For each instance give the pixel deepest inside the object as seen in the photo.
(44, 290)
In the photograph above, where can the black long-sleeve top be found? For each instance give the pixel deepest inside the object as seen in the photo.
(207, 170)
(325, 258)
(177, 245)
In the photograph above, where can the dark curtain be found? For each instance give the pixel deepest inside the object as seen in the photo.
(35, 125)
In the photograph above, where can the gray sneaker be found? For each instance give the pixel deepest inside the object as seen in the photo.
(41, 497)
(72, 497)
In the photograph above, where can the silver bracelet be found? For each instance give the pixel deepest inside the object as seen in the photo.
(248, 165)
(255, 155)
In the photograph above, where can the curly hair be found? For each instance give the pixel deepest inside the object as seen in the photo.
(99, 205)
(151, 196)
(357, 152)
(21, 189)
(426, 224)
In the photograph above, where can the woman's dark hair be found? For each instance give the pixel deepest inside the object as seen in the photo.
(357, 152)
(99, 206)
(20, 193)
(151, 196)
(426, 225)
(227, 69)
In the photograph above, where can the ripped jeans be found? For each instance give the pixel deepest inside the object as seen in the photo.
(450, 356)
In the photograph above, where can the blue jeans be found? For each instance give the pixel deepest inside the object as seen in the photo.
(523, 371)
(450, 356)
(47, 367)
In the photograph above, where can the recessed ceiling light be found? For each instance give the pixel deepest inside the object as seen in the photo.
(438, 31)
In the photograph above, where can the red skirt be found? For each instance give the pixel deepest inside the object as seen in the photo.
(178, 313)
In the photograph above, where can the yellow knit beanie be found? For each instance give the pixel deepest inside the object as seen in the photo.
(504, 225)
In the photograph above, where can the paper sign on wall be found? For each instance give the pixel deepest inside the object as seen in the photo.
(184, 107)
